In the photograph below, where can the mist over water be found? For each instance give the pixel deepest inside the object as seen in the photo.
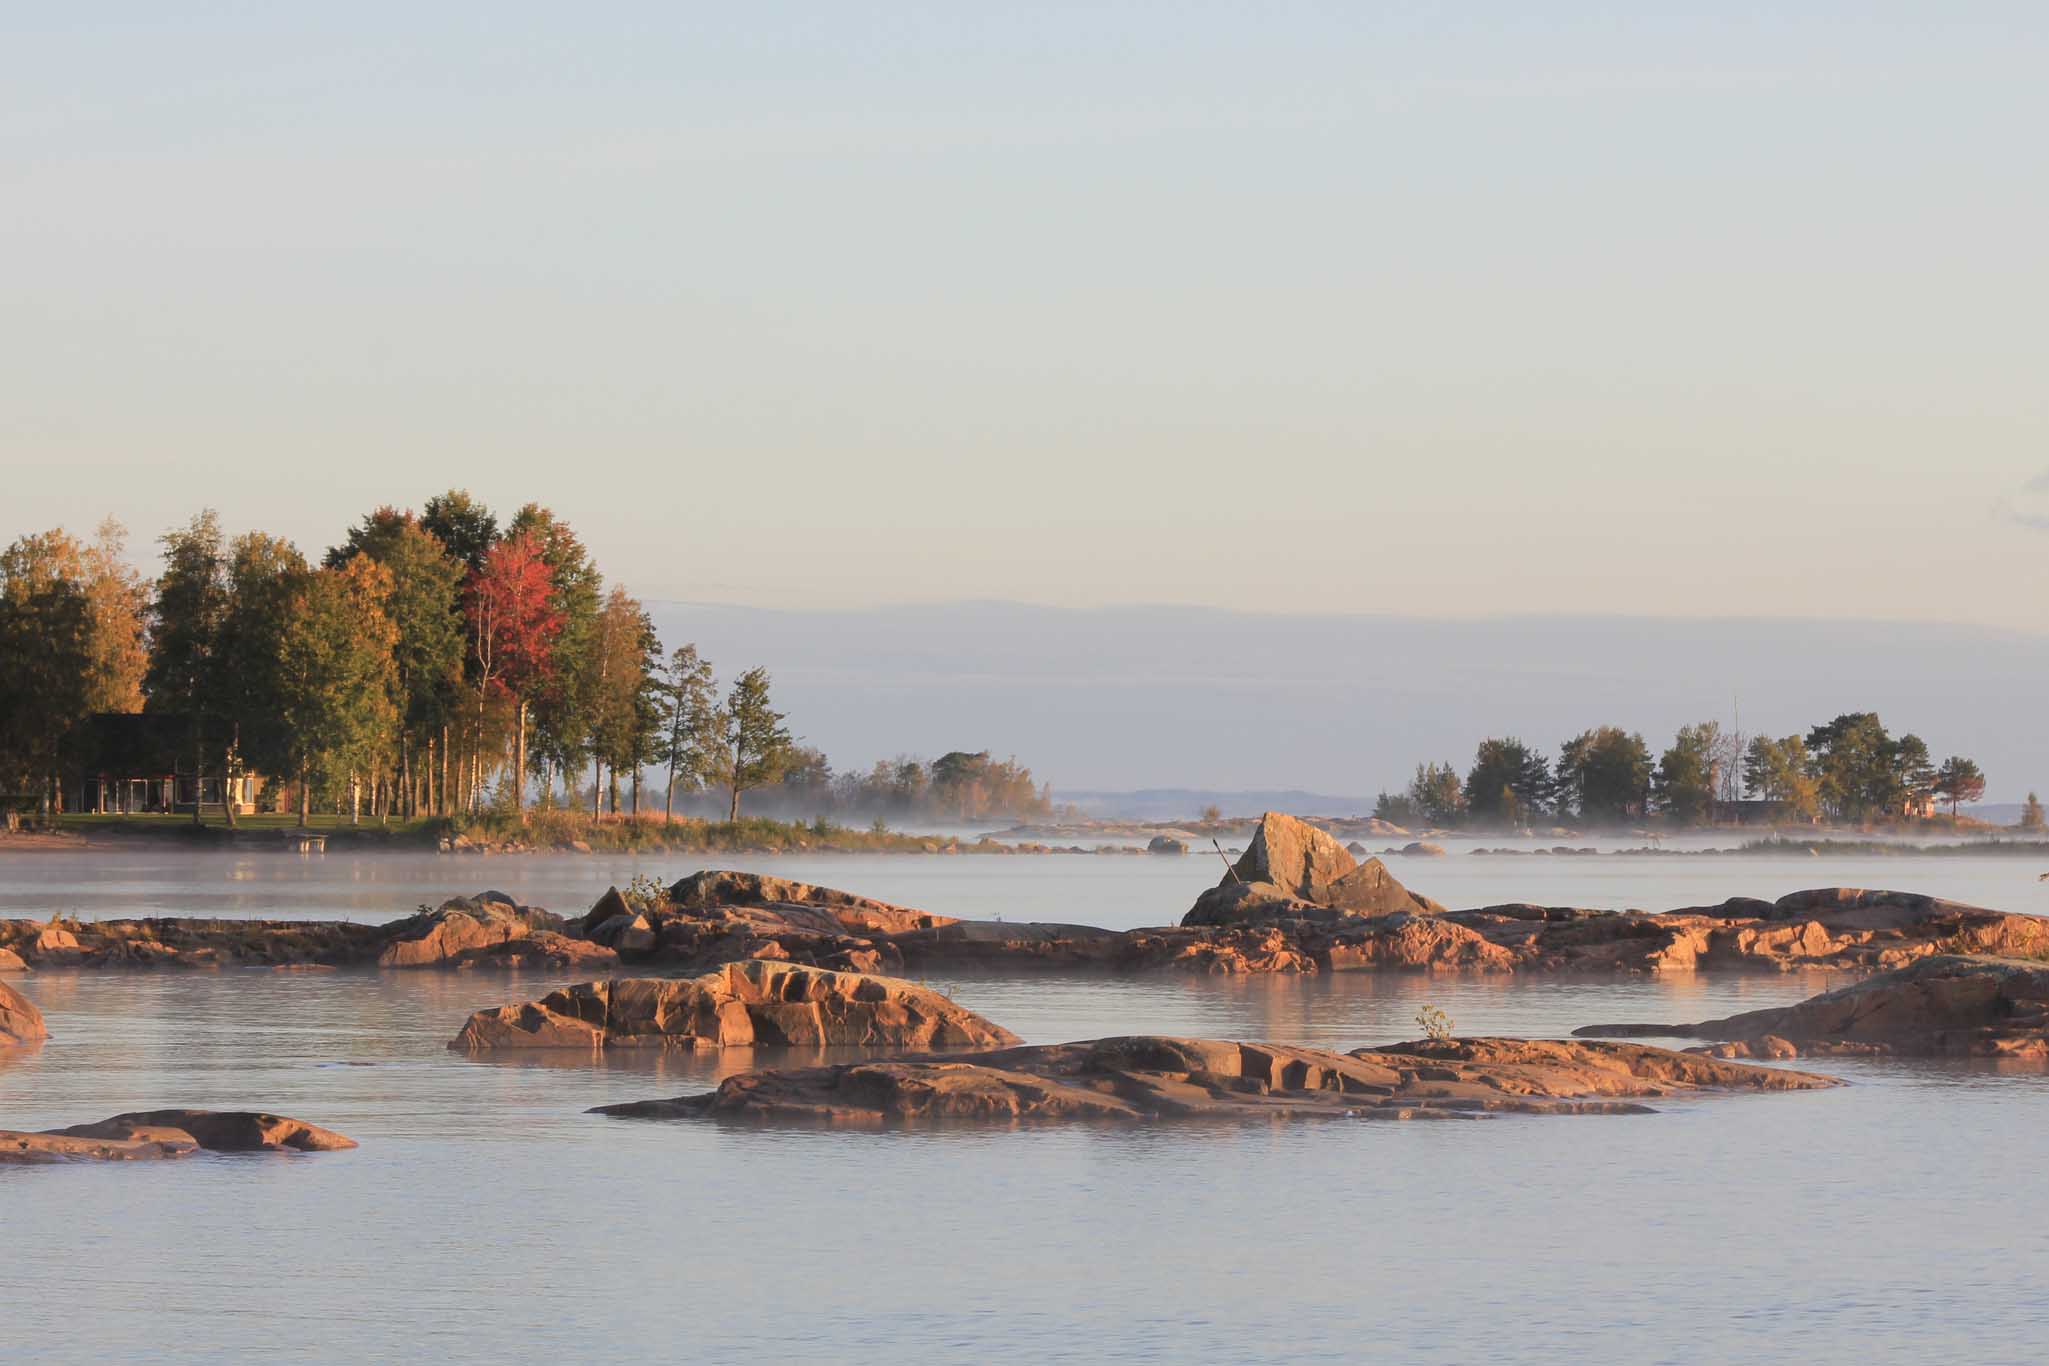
(487, 1217)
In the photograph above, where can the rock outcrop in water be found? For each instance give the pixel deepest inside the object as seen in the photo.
(746, 1004)
(490, 928)
(1291, 868)
(1945, 1006)
(20, 1022)
(1364, 920)
(152, 1134)
(1158, 1078)
(486, 930)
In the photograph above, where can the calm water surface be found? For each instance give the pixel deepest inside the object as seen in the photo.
(486, 1217)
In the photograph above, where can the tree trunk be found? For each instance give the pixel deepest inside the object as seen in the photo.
(636, 792)
(733, 812)
(669, 797)
(519, 764)
(405, 775)
(441, 797)
(355, 800)
(597, 788)
(612, 789)
(305, 796)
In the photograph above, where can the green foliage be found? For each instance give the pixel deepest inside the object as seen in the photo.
(1604, 774)
(466, 528)
(759, 747)
(1685, 778)
(1436, 793)
(1508, 783)
(337, 679)
(1958, 780)
(46, 664)
(1395, 808)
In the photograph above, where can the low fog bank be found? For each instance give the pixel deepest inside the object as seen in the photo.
(1119, 699)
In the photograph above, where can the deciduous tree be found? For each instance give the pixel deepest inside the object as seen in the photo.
(758, 746)
(513, 628)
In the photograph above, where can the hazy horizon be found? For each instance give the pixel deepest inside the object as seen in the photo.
(1117, 699)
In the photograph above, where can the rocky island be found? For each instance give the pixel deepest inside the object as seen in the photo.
(1150, 1077)
(1945, 1006)
(153, 1134)
(1296, 902)
(739, 1005)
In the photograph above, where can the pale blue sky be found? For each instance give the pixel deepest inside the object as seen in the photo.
(1694, 309)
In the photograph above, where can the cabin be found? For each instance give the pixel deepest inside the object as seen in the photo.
(133, 763)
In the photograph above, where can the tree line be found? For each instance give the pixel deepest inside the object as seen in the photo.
(1851, 769)
(433, 663)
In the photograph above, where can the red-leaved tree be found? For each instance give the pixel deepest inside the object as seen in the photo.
(513, 626)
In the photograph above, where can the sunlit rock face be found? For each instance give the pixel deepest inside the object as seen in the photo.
(755, 1003)
(1158, 1078)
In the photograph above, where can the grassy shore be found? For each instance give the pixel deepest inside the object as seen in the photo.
(541, 830)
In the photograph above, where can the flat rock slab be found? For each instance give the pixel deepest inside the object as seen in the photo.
(757, 1002)
(144, 1135)
(1149, 1077)
(1950, 1005)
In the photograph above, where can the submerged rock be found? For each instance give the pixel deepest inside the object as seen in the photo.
(152, 1134)
(1947, 1005)
(20, 1021)
(1155, 1078)
(740, 1005)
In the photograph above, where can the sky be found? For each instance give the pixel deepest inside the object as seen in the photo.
(1665, 310)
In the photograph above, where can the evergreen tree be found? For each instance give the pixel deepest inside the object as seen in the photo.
(46, 663)
(183, 677)
(1959, 780)
(1685, 777)
(1605, 774)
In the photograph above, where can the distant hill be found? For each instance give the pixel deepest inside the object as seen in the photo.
(1129, 699)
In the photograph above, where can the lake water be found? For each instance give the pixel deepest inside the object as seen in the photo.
(487, 1218)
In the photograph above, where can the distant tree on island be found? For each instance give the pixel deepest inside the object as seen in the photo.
(1508, 783)
(1685, 781)
(759, 748)
(1780, 771)
(1605, 774)
(693, 727)
(428, 665)
(2031, 814)
(1958, 781)
(1437, 795)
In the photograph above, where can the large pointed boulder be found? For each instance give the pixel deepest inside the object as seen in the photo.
(1294, 856)
(1291, 868)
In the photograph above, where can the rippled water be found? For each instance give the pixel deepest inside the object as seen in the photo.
(486, 1217)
